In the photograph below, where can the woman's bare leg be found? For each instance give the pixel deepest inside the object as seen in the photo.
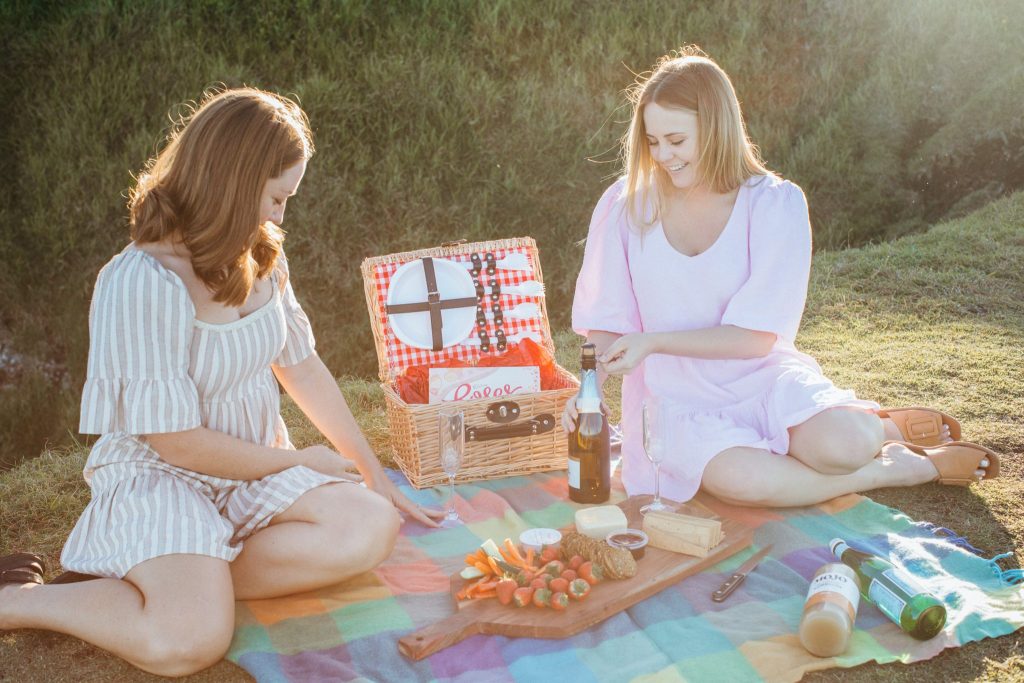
(750, 476)
(172, 615)
(329, 534)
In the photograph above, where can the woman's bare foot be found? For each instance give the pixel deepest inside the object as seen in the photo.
(897, 465)
(893, 433)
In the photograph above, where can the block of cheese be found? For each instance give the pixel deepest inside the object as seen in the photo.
(682, 533)
(597, 522)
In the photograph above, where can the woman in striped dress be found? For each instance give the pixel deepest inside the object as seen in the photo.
(198, 497)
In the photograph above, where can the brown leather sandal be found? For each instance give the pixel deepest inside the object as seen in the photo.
(957, 461)
(922, 426)
(22, 568)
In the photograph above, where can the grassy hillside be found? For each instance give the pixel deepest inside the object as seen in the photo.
(932, 319)
(443, 119)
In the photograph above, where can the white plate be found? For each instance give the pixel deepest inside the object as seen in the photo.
(408, 286)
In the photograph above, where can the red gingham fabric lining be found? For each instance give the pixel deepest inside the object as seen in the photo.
(400, 355)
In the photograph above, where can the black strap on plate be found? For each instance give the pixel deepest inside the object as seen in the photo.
(434, 304)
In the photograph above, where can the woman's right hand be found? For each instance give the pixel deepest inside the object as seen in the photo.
(326, 460)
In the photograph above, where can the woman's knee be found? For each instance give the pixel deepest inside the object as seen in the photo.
(180, 649)
(726, 478)
(841, 441)
(382, 524)
(368, 521)
(188, 613)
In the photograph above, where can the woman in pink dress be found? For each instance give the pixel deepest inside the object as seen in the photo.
(198, 496)
(693, 285)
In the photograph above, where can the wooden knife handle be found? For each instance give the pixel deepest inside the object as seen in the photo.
(727, 588)
(440, 635)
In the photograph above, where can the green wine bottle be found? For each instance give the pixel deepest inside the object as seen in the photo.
(894, 592)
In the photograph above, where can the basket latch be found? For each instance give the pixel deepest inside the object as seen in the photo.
(503, 412)
(540, 424)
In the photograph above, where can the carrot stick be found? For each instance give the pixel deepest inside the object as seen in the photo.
(508, 557)
(513, 551)
(468, 590)
(529, 558)
(485, 568)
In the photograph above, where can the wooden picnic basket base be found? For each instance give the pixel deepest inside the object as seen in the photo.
(414, 427)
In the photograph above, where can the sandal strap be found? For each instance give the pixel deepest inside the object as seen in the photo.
(922, 426)
(20, 576)
(953, 460)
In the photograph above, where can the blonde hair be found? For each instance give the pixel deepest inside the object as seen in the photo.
(205, 186)
(687, 79)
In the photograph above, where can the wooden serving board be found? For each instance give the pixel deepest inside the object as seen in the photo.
(657, 570)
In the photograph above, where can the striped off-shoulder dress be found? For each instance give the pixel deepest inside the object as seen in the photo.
(154, 368)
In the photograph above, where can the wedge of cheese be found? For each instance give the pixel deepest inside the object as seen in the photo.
(597, 522)
(682, 533)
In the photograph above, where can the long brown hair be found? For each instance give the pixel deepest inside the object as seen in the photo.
(205, 185)
(687, 79)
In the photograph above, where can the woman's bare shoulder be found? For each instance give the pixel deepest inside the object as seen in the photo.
(172, 256)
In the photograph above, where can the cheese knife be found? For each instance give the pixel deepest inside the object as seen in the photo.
(734, 581)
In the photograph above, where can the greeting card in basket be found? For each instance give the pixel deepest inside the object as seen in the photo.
(470, 384)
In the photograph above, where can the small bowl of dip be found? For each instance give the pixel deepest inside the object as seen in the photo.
(633, 540)
(540, 538)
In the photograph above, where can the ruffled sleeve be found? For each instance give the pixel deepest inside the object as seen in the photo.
(773, 297)
(299, 343)
(140, 328)
(604, 298)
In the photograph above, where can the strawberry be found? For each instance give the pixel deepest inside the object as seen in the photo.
(505, 589)
(559, 601)
(575, 562)
(554, 568)
(522, 596)
(569, 575)
(579, 589)
(559, 585)
(591, 573)
(542, 597)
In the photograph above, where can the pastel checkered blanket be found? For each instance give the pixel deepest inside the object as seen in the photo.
(349, 632)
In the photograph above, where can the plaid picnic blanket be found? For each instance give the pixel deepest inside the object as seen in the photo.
(349, 632)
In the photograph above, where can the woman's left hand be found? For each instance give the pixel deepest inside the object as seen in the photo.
(626, 353)
(422, 514)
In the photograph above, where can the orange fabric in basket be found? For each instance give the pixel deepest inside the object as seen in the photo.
(413, 384)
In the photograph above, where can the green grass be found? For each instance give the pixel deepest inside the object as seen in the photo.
(442, 119)
(932, 319)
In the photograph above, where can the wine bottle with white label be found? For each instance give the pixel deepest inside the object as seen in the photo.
(894, 592)
(589, 451)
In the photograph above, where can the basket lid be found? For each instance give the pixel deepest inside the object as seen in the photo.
(402, 321)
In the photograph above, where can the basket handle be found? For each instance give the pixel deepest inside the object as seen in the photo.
(545, 422)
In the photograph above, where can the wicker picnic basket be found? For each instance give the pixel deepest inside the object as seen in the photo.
(490, 452)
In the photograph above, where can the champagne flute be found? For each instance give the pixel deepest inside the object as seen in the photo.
(451, 442)
(654, 435)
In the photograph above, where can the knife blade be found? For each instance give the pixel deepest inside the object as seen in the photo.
(734, 581)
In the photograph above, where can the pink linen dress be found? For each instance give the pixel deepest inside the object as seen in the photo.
(754, 276)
